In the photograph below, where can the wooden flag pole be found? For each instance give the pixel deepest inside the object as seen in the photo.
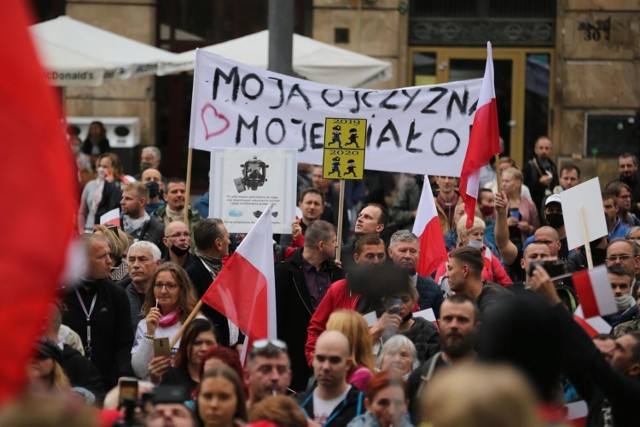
(187, 194)
(340, 214)
(498, 177)
(193, 314)
(585, 235)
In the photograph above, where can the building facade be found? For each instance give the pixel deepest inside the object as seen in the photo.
(566, 68)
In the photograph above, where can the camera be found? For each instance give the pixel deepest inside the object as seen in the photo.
(553, 268)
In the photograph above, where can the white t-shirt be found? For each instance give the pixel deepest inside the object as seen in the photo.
(323, 408)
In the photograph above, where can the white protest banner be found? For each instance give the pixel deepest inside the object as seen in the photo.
(421, 130)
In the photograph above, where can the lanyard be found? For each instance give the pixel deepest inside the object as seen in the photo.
(87, 348)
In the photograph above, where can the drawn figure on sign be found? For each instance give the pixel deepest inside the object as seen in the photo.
(335, 135)
(351, 168)
(353, 137)
(335, 166)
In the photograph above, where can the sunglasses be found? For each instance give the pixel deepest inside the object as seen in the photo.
(265, 342)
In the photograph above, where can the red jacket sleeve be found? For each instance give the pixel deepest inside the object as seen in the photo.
(499, 274)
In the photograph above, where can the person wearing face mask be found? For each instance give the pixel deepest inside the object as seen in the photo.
(620, 279)
(553, 217)
(152, 178)
(99, 196)
(487, 205)
(150, 158)
(493, 270)
(177, 240)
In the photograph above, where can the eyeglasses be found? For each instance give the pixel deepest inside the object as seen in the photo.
(168, 286)
(176, 235)
(260, 344)
(618, 257)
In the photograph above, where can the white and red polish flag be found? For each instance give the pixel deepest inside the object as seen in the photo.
(111, 218)
(484, 141)
(427, 227)
(594, 292)
(245, 289)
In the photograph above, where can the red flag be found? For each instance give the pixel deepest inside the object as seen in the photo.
(38, 216)
(484, 141)
(594, 291)
(245, 289)
(427, 227)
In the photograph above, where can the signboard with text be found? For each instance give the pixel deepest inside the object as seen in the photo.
(420, 130)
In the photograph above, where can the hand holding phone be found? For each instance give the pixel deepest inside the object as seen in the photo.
(161, 347)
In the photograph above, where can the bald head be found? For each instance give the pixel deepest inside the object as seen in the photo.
(334, 339)
(549, 236)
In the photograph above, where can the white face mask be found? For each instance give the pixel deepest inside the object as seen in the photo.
(476, 244)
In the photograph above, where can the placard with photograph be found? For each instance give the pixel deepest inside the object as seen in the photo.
(243, 181)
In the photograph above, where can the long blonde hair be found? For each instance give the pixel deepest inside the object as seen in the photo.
(58, 380)
(352, 325)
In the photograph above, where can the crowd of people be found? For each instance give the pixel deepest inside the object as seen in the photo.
(355, 344)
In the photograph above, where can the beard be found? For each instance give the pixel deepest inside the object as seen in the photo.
(456, 345)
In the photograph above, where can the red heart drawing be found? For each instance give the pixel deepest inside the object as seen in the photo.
(214, 122)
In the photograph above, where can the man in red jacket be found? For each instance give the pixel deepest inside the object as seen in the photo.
(369, 250)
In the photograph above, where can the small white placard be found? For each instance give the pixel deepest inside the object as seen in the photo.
(427, 314)
(587, 197)
(371, 318)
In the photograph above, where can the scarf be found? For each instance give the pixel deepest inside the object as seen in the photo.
(449, 208)
(175, 215)
(132, 226)
(170, 319)
(214, 264)
(96, 198)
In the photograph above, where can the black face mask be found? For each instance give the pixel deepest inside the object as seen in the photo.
(408, 317)
(179, 251)
(555, 220)
(154, 189)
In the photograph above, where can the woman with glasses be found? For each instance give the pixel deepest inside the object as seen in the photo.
(198, 339)
(168, 302)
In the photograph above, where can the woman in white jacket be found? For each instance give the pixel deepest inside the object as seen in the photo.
(168, 302)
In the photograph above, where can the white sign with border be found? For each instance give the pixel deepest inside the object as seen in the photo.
(243, 181)
(587, 197)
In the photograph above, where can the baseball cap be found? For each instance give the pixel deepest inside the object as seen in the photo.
(554, 198)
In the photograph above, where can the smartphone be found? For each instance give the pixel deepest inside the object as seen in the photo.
(394, 305)
(515, 212)
(161, 347)
(128, 390)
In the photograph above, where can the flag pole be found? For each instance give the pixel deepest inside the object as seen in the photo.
(585, 235)
(187, 194)
(498, 177)
(340, 214)
(193, 314)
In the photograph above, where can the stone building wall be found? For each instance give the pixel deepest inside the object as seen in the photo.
(377, 28)
(597, 71)
(135, 19)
